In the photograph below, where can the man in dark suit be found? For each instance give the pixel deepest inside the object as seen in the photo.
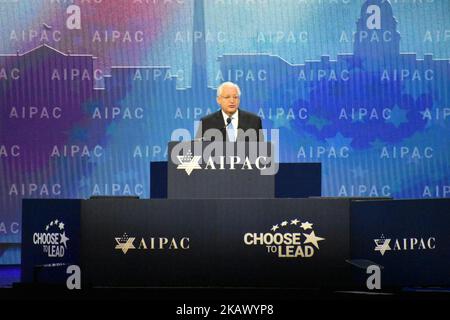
(230, 123)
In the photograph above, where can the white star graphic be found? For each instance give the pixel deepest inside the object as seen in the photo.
(275, 228)
(312, 238)
(284, 223)
(125, 243)
(189, 165)
(61, 225)
(64, 239)
(295, 222)
(306, 225)
(382, 245)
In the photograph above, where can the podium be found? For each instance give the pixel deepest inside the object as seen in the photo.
(198, 231)
(229, 177)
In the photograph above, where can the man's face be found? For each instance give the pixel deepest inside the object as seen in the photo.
(229, 100)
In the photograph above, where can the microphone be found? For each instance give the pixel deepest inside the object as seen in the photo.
(228, 123)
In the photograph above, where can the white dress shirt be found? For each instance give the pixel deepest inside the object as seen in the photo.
(234, 121)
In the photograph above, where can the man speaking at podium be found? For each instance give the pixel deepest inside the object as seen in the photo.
(233, 123)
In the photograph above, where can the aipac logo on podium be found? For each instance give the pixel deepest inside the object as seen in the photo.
(383, 244)
(189, 163)
(288, 239)
(125, 243)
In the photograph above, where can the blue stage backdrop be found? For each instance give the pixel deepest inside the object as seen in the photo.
(90, 91)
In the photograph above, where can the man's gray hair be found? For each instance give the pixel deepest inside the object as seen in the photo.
(228, 83)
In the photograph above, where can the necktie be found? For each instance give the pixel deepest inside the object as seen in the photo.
(230, 132)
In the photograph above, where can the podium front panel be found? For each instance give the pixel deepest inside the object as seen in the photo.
(192, 176)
